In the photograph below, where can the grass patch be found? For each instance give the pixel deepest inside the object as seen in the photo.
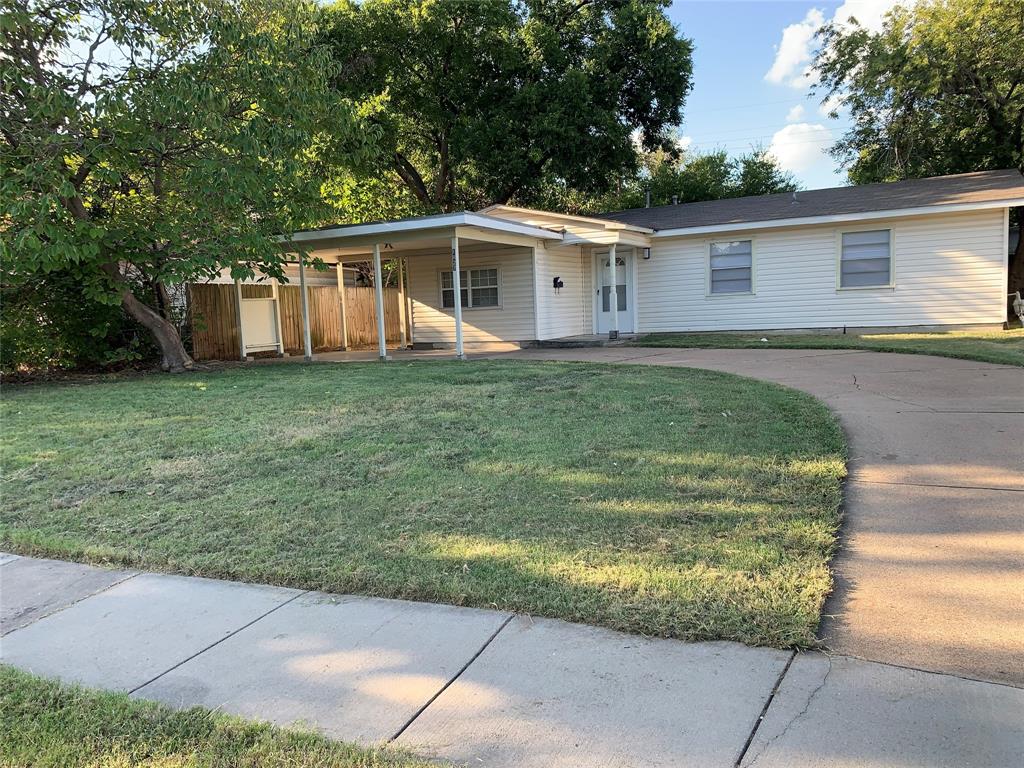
(669, 502)
(1005, 347)
(46, 723)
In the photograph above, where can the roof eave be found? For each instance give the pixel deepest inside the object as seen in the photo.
(606, 223)
(409, 226)
(839, 218)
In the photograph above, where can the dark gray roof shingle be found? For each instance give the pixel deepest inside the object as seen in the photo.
(982, 186)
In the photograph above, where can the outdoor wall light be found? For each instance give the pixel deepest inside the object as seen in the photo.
(646, 253)
(557, 284)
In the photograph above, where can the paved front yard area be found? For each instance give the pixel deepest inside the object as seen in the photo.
(1006, 347)
(677, 503)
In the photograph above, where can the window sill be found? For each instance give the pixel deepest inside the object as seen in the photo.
(866, 288)
(451, 310)
(729, 295)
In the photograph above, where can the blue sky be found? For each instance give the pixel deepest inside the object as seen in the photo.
(750, 83)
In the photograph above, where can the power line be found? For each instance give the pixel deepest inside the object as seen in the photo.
(740, 143)
(758, 104)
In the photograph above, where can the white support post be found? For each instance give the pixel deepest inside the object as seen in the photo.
(613, 294)
(277, 317)
(378, 288)
(238, 318)
(306, 341)
(402, 341)
(344, 309)
(409, 319)
(457, 287)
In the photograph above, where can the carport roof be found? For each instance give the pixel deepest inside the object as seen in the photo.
(415, 224)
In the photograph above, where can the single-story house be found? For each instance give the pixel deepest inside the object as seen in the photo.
(926, 252)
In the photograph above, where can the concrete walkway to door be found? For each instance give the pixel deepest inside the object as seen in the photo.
(930, 574)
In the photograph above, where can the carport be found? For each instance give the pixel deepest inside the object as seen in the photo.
(412, 238)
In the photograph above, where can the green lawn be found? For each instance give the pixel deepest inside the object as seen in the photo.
(49, 725)
(669, 502)
(1006, 347)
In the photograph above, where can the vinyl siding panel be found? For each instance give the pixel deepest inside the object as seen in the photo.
(562, 314)
(512, 321)
(948, 269)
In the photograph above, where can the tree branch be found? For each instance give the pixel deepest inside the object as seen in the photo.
(412, 178)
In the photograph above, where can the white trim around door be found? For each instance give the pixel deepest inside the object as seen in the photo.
(625, 258)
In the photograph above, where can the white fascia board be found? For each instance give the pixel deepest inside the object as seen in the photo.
(930, 210)
(512, 227)
(606, 223)
(441, 221)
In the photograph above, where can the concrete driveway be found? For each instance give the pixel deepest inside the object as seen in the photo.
(931, 570)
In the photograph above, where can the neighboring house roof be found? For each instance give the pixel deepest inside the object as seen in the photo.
(962, 189)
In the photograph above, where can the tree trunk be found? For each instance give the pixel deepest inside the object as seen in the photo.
(174, 357)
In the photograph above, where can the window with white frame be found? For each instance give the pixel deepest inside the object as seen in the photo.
(732, 267)
(865, 259)
(479, 288)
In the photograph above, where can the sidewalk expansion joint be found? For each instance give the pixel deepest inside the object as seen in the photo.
(806, 708)
(764, 709)
(937, 485)
(455, 677)
(833, 653)
(218, 642)
(131, 575)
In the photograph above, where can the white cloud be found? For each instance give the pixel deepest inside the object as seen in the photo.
(795, 51)
(684, 142)
(796, 114)
(801, 147)
(870, 13)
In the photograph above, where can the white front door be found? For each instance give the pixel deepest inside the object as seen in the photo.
(624, 289)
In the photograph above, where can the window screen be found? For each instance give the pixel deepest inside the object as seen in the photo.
(866, 259)
(732, 267)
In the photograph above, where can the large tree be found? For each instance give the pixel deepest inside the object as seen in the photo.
(145, 144)
(688, 177)
(940, 89)
(483, 102)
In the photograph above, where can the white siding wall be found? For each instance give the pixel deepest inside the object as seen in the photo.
(949, 269)
(512, 321)
(562, 314)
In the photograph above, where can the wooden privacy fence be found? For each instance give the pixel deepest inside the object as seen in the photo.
(361, 317)
(215, 318)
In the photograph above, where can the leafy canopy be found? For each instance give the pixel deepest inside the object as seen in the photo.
(685, 178)
(940, 89)
(150, 143)
(482, 102)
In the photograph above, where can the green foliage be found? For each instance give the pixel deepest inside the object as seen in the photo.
(157, 143)
(46, 323)
(940, 89)
(483, 102)
(688, 178)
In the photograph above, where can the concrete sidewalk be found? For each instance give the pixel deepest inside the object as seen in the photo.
(486, 687)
